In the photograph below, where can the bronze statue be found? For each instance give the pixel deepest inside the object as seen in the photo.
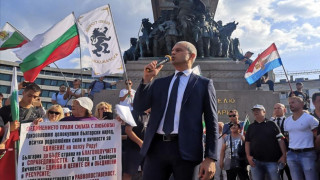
(131, 54)
(171, 33)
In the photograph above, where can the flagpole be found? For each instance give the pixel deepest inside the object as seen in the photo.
(67, 84)
(115, 31)
(80, 52)
(19, 32)
(287, 78)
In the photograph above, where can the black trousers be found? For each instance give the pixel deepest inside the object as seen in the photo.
(164, 159)
(241, 172)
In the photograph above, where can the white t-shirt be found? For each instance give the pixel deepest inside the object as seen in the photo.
(129, 100)
(59, 98)
(300, 131)
(77, 92)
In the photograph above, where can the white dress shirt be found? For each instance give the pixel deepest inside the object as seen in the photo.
(181, 88)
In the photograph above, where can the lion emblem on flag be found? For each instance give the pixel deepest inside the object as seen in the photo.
(4, 35)
(98, 39)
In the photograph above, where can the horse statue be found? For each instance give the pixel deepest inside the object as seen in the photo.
(237, 52)
(225, 34)
(144, 44)
(131, 54)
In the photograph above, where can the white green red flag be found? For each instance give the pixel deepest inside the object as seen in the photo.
(10, 37)
(14, 96)
(56, 43)
(103, 45)
(245, 126)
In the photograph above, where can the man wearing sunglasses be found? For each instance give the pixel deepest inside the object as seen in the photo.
(234, 119)
(127, 94)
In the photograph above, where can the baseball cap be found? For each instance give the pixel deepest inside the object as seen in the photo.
(258, 106)
(249, 52)
(85, 102)
(299, 83)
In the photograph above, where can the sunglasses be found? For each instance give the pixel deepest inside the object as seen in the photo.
(53, 112)
(232, 115)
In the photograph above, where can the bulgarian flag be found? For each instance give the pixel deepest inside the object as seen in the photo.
(10, 37)
(265, 62)
(245, 126)
(14, 100)
(54, 44)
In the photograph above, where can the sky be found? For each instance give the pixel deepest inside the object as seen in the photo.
(293, 25)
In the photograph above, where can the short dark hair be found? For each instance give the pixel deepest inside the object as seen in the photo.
(1, 95)
(126, 82)
(314, 96)
(234, 111)
(32, 86)
(62, 85)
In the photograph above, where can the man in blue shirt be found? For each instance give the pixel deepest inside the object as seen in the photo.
(57, 98)
(97, 86)
(234, 119)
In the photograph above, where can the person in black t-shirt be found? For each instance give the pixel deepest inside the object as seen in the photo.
(264, 146)
(300, 93)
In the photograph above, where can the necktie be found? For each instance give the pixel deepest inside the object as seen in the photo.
(278, 121)
(169, 117)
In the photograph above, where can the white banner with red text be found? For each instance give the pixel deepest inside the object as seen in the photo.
(70, 150)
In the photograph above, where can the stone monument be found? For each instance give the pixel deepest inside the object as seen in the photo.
(233, 92)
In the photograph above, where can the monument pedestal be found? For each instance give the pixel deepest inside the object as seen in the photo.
(233, 92)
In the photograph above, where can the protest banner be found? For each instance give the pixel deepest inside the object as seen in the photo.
(70, 150)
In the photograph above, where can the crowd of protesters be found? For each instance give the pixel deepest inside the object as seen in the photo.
(269, 147)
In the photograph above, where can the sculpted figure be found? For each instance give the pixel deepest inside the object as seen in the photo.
(171, 33)
(131, 54)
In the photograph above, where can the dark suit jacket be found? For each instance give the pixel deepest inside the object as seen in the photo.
(198, 102)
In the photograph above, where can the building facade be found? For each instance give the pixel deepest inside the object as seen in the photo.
(49, 80)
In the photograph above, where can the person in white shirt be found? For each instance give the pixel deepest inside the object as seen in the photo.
(57, 98)
(302, 130)
(74, 93)
(220, 171)
(126, 95)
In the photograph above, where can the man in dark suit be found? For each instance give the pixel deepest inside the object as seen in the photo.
(173, 142)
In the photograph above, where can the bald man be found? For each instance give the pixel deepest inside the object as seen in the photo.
(173, 142)
(279, 111)
(302, 129)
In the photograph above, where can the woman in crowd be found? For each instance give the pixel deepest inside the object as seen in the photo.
(229, 157)
(54, 114)
(81, 110)
(132, 157)
(101, 108)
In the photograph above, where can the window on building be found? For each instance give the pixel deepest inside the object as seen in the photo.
(5, 89)
(38, 81)
(54, 82)
(47, 82)
(6, 67)
(45, 93)
(61, 82)
(86, 85)
(51, 93)
(5, 77)
(20, 78)
(46, 105)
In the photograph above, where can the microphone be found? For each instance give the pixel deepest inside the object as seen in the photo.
(162, 61)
